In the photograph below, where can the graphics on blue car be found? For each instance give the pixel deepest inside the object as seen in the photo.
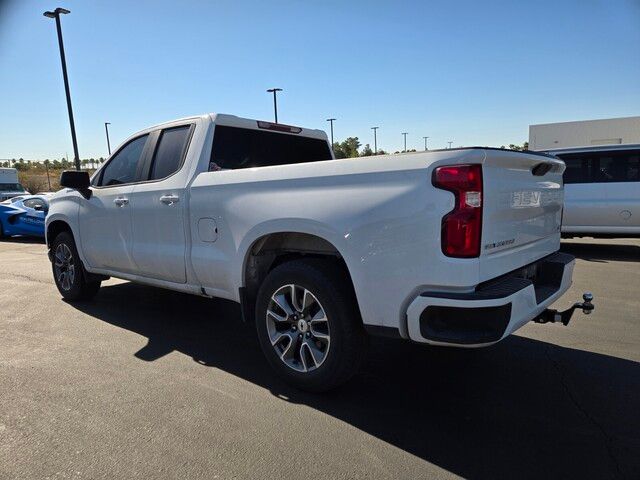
(24, 216)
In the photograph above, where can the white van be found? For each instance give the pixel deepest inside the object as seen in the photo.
(602, 190)
(9, 185)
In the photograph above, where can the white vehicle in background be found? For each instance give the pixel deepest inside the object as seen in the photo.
(9, 185)
(602, 190)
(456, 247)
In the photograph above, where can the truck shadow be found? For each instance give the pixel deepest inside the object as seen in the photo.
(598, 252)
(524, 408)
(24, 240)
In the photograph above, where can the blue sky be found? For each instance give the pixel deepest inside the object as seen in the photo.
(475, 73)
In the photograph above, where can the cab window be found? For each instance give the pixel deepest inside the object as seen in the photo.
(170, 152)
(235, 148)
(602, 166)
(123, 166)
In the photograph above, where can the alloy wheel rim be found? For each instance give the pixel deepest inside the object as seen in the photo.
(64, 266)
(298, 328)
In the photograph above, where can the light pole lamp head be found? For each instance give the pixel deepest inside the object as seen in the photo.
(271, 90)
(331, 119)
(56, 12)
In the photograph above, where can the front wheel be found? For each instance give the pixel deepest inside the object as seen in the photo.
(68, 272)
(309, 325)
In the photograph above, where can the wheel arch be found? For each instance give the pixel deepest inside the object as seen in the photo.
(272, 249)
(55, 228)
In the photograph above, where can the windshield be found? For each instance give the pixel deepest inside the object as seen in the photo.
(11, 187)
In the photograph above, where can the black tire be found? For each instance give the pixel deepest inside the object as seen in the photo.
(329, 284)
(1, 231)
(75, 287)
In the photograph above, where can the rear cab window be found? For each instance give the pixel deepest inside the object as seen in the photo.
(237, 148)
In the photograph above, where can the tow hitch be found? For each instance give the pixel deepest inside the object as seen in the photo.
(552, 316)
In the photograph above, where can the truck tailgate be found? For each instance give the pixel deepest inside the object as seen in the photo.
(522, 210)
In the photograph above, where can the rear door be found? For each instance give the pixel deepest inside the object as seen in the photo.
(621, 170)
(585, 199)
(105, 219)
(602, 191)
(159, 243)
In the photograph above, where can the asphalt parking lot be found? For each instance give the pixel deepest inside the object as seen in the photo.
(146, 383)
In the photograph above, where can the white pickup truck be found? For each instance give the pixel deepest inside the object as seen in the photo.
(456, 247)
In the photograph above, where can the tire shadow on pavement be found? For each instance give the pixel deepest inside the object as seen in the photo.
(521, 409)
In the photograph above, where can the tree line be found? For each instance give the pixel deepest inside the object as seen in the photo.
(23, 165)
(350, 148)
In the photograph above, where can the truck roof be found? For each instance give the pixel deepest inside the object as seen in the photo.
(240, 122)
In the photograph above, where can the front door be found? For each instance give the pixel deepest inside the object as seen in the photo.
(105, 219)
(105, 226)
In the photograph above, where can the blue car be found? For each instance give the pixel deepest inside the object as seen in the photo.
(23, 216)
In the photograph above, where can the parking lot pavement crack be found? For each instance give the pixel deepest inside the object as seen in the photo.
(607, 438)
(25, 277)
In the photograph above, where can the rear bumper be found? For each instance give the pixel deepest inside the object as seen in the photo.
(494, 310)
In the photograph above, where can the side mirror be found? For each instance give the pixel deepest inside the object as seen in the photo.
(78, 180)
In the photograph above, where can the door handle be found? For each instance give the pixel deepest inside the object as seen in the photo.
(169, 199)
(121, 201)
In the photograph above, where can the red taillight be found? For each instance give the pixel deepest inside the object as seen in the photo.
(462, 226)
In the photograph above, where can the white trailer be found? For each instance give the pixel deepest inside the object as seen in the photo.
(9, 184)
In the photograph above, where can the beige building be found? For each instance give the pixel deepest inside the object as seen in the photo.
(610, 131)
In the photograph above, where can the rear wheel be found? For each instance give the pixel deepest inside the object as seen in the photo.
(68, 272)
(309, 325)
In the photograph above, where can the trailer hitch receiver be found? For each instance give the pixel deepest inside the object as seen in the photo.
(553, 316)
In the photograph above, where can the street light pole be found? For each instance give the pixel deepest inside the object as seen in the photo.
(106, 129)
(275, 101)
(449, 144)
(56, 14)
(46, 166)
(425, 143)
(404, 134)
(331, 120)
(375, 140)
